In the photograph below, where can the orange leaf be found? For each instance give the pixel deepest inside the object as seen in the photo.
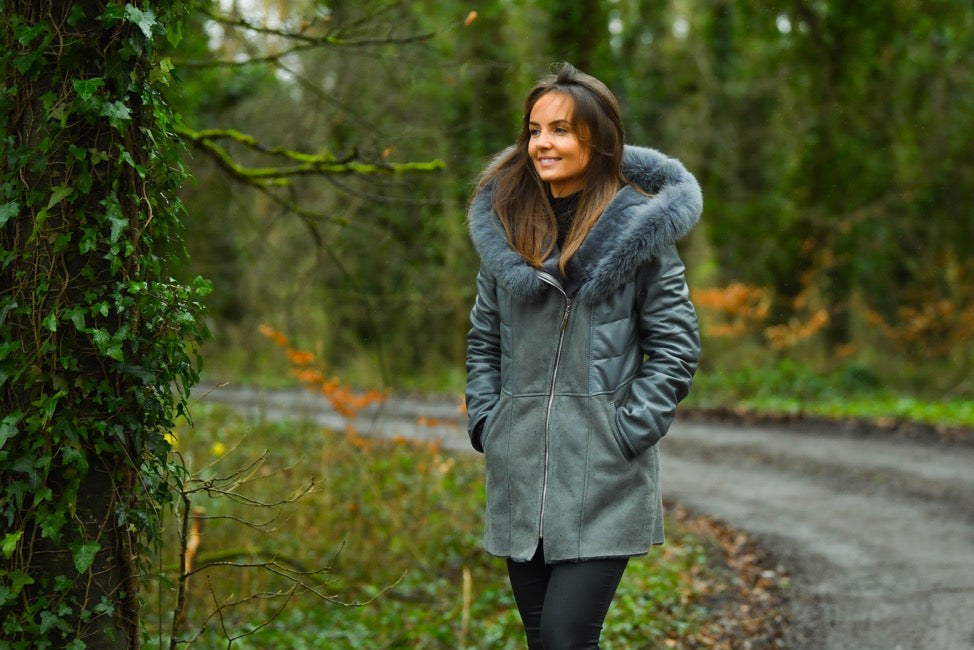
(299, 357)
(273, 334)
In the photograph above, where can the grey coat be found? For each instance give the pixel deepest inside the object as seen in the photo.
(568, 391)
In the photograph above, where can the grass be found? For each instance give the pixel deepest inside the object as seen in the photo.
(852, 391)
(391, 524)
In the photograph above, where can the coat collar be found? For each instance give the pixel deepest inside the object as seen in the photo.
(634, 229)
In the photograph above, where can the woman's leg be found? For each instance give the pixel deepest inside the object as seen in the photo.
(529, 582)
(564, 605)
(577, 600)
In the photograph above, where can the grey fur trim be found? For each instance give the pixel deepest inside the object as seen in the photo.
(633, 230)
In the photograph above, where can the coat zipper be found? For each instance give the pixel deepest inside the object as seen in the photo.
(553, 281)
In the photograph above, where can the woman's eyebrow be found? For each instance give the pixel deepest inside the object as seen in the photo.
(552, 122)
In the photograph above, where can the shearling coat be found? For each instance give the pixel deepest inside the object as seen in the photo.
(569, 389)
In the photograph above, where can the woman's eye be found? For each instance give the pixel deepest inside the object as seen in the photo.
(534, 133)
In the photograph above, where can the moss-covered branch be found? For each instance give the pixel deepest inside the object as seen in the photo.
(296, 163)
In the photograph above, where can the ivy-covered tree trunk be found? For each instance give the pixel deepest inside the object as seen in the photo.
(93, 360)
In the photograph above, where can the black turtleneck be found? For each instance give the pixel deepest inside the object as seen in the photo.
(564, 208)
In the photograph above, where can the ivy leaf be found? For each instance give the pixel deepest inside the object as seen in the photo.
(174, 33)
(77, 316)
(24, 63)
(50, 321)
(141, 373)
(25, 33)
(146, 20)
(5, 349)
(112, 14)
(89, 240)
(119, 224)
(61, 192)
(51, 621)
(9, 544)
(203, 286)
(104, 607)
(71, 456)
(83, 554)
(7, 210)
(160, 72)
(61, 583)
(86, 88)
(118, 114)
(53, 524)
(107, 344)
(101, 338)
(18, 580)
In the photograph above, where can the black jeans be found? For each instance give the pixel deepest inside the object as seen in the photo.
(564, 605)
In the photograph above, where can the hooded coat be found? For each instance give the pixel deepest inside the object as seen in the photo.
(569, 389)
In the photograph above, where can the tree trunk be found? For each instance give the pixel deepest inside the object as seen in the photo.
(86, 349)
(112, 588)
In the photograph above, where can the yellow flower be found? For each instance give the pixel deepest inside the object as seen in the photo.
(171, 439)
(218, 448)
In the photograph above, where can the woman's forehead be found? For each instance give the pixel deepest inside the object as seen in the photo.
(553, 106)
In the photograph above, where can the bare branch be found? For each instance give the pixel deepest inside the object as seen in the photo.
(331, 38)
(273, 57)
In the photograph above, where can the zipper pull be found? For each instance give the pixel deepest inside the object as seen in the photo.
(568, 309)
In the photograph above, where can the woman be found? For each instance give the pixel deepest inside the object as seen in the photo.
(583, 341)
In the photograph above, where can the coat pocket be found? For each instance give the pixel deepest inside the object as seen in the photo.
(617, 400)
(491, 421)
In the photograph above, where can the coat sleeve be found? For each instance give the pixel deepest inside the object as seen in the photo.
(483, 358)
(671, 347)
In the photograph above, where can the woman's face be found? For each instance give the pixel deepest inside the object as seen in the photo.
(558, 155)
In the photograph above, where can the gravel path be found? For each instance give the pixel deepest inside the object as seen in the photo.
(876, 531)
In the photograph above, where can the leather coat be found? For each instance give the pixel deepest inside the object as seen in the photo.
(570, 389)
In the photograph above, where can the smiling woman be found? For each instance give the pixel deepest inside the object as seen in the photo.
(584, 125)
(579, 284)
(559, 156)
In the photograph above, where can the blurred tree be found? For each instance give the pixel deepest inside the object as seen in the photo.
(577, 32)
(828, 136)
(319, 80)
(388, 262)
(831, 143)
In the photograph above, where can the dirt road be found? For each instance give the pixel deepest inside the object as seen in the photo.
(877, 531)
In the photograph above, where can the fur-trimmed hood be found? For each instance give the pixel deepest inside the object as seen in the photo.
(634, 229)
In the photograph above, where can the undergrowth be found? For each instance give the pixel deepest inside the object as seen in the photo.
(396, 526)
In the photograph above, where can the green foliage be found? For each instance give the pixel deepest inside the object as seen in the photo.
(835, 160)
(852, 391)
(368, 261)
(94, 365)
(830, 142)
(399, 525)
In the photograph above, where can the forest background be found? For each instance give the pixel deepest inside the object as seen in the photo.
(831, 139)
(333, 147)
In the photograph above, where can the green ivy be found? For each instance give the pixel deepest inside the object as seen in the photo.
(97, 342)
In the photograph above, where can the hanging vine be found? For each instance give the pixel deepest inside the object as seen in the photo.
(96, 341)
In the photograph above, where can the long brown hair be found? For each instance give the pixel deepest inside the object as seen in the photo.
(520, 196)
